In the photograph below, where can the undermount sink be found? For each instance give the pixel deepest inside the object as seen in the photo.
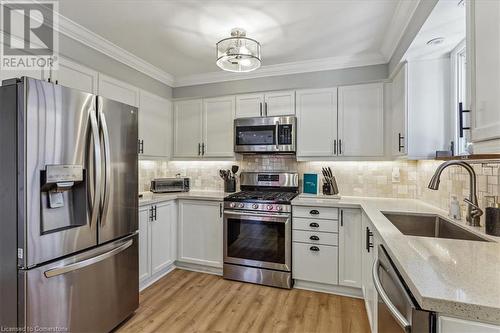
(429, 226)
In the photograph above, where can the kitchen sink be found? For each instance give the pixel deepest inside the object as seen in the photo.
(430, 226)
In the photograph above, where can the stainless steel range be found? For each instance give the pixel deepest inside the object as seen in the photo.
(257, 229)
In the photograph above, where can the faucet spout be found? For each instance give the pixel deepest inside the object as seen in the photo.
(473, 211)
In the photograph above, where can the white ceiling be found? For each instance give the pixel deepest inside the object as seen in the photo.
(446, 20)
(179, 37)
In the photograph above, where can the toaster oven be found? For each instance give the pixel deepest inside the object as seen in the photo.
(166, 185)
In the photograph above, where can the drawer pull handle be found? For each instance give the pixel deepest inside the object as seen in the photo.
(314, 225)
(315, 238)
(314, 248)
(314, 212)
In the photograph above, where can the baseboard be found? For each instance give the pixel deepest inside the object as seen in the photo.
(155, 277)
(198, 268)
(328, 288)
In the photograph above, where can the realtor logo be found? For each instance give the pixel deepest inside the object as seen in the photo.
(29, 35)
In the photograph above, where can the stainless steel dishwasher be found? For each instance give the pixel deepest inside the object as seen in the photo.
(397, 309)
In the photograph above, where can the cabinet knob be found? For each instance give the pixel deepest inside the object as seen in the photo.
(314, 212)
(314, 248)
(314, 238)
(314, 225)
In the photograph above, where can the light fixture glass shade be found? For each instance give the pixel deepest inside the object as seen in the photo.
(238, 53)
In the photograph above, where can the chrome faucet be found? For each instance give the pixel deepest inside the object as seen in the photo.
(473, 211)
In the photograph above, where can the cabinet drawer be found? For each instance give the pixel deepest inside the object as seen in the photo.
(315, 237)
(299, 223)
(320, 265)
(316, 212)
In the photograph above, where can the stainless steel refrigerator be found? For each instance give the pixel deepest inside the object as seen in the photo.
(68, 208)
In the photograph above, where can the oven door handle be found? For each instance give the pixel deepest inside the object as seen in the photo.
(255, 214)
(402, 321)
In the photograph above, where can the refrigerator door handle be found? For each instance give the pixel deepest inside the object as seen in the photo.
(87, 262)
(107, 165)
(97, 166)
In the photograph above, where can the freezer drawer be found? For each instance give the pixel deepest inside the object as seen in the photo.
(90, 292)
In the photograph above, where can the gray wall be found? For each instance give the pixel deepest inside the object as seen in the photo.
(418, 19)
(100, 62)
(321, 79)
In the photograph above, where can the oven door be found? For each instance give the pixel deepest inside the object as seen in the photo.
(257, 239)
(264, 135)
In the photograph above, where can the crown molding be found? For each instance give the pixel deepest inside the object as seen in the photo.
(399, 22)
(83, 35)
(315, 65)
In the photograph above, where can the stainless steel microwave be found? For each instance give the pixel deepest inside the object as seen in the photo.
(265, 135)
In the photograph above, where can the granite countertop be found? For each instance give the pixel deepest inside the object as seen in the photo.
(151, 198)
(453, 277)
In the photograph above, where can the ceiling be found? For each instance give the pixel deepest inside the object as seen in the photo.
(179, 37)
(447, 20)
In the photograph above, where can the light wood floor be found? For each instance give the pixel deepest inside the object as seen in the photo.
(186, 301)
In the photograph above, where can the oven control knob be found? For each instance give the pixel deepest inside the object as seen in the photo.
(232, 204)
(241, 205)
(255, 206)
(279, 208)
(269, 207)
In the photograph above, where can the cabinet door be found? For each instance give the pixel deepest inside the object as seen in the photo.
(155, 125)
(455, 325)
(218, 122)
(350, 248)
(399, 108)
(316, 122)
(144, 243)
(367, 259)
(486, 71)
(315, 263)
(76, 76)
(187, 128)
(249, 105)
(200, 232)
(279, 103)
(162, 234)
(118, 90)
(361, 120)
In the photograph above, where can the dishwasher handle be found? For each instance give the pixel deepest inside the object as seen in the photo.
(402, 321)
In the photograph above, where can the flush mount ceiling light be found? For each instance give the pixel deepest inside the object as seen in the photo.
(436, 41)
(238, 53)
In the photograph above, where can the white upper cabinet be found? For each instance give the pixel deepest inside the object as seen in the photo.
(155, 125)
(398, 106)
(484, 50)
(279, 103)
(76, 76)
(249, 105)
(316, 122)
(350, 248)
(361, 120)
(269, 104)
(118, 90)
(188, 120)
(218, 121)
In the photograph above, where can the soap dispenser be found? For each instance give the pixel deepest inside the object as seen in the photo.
(493, 216)
(455, 208)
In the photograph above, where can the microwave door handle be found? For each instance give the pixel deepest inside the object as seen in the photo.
(277, 134)
(402, 321)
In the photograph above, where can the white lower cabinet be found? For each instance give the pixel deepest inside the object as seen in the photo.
(350, 248)
(315, 263)
(157, 239)
(368, 255)
(200, 232)
(455, 325)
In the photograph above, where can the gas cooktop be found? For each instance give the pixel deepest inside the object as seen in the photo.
(262, 196)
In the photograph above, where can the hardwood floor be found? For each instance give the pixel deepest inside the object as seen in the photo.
(185, 301)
